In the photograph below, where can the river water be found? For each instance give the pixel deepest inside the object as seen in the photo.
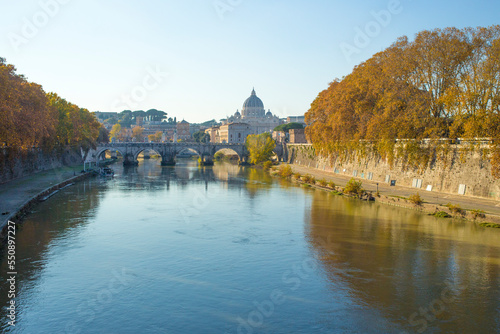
(231, 250)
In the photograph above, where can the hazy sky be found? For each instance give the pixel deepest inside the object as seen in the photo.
(200, 59)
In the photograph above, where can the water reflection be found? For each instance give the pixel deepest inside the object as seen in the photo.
(205, 244)
(64, 216)
(403, 263)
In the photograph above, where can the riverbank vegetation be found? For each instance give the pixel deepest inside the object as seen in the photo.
(354, 188)
(445, 83)
(32, 118)
(260, 147)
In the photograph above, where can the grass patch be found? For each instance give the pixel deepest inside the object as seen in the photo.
(400, 197)
(441, 214)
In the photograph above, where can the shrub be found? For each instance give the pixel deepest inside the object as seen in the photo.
(307, 178)
(455, 209)
(285, 171)
(331, 184)
(416, 199)
(312, 180)
(296, 176)
(267, 164)
(353, 187)
(477, 214)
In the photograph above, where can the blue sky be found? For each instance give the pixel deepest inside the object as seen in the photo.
(200, 59)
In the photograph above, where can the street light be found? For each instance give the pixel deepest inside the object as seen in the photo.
(377, 187)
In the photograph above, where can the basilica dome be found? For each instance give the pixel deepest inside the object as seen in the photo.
(253, 107)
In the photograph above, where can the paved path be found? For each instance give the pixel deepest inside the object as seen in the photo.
(15, 193)
(465, 202)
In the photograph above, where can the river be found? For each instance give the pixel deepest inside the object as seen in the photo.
(228, 249)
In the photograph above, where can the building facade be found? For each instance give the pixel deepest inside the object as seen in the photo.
(297, 136)
(234, 133)
(183, 132)
(296, 119)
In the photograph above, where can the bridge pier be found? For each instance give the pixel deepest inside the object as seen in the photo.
(128, 160)
(206, 160)
(243, 161)
(168, 160)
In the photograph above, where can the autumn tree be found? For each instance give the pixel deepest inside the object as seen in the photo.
(156, 138)
(32, 118)
(260, 147)
(27, 119)
(138, 133)
(116, 132)
(444, 83)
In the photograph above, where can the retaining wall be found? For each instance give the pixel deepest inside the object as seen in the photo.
(14, 165)
(463, 172)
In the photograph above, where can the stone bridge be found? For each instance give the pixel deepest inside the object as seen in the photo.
(168, 151)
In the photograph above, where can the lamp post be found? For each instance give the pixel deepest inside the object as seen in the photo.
(377, 187)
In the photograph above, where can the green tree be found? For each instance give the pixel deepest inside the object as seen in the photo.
(201, 137)
(289, 126)
(260, 147)
(103, 135)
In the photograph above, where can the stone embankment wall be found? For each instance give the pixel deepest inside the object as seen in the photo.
(462, 172)
(14, 165)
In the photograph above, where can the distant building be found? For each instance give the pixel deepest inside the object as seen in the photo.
(234, 133)
(168, 129)
(214, 133)
(297, 136)
(193, 128)
(296, 119)
(280, 136)
(254, 114)
(183, 131)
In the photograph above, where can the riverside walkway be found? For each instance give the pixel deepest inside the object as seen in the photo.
(14, 194)
(487, 205)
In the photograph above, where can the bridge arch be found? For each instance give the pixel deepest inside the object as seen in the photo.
(136, 154)
(188, 149)
(102, 150)
(168, 151)
(227, 149)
